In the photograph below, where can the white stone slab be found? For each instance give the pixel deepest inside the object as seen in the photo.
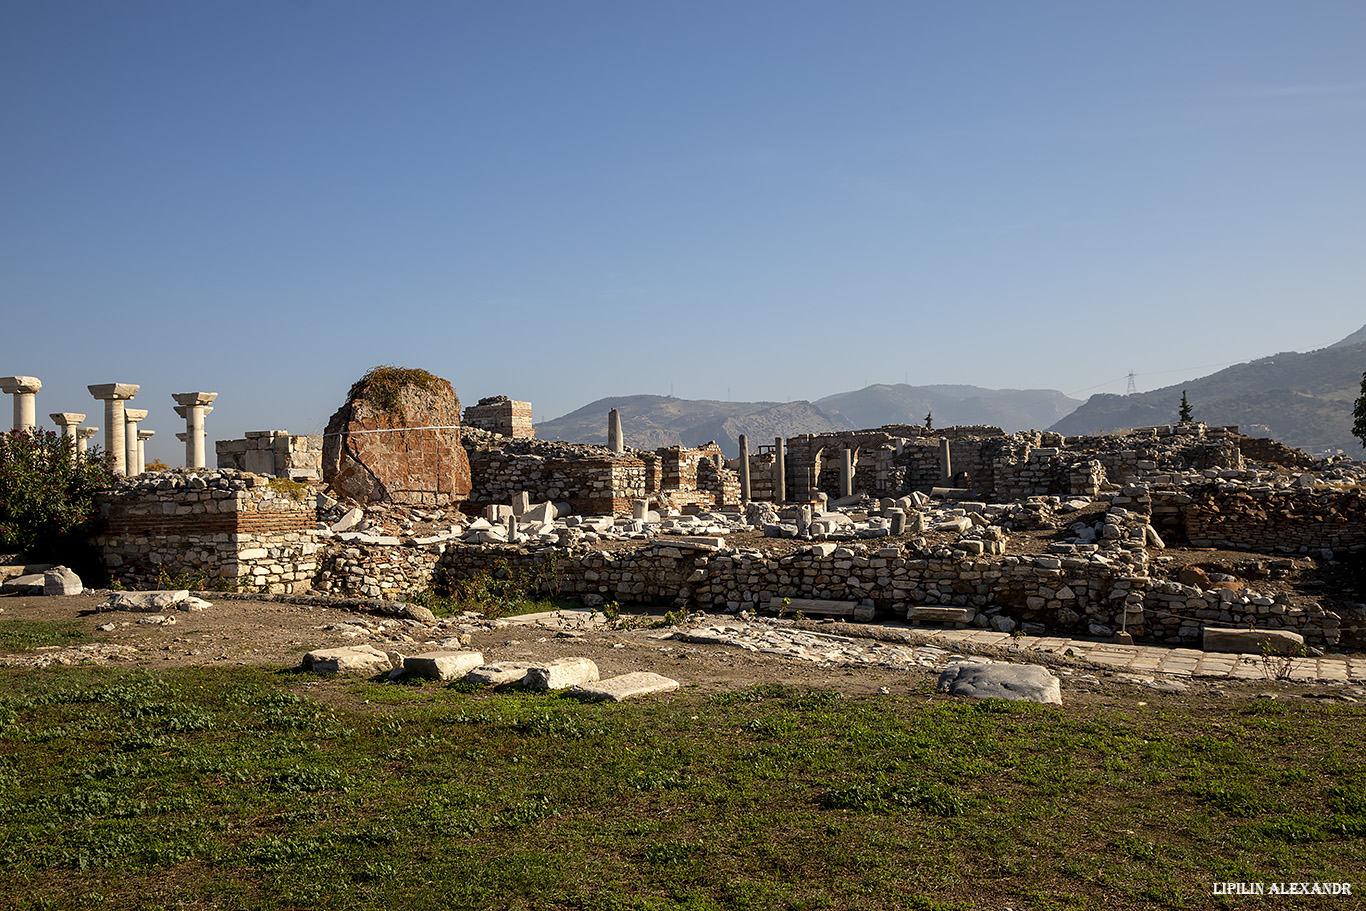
(561, 673)
(931, 614)
(351, 659)
(444, 665)
(1020, 682)
(144, 601)
(626, 686)
(501, 673)
(1252, 642)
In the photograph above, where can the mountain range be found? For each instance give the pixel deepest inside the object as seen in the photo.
(1302, 400)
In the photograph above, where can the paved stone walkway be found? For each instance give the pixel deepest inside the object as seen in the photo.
(1156, 659)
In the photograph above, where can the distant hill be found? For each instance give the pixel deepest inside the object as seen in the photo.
(652, 421)
(1305, 400)
(1009, 409)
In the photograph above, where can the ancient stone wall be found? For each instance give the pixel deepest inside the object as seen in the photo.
(1276, 520)
(1065, 593)
(501, 415)
(275, 453)
(228, 527)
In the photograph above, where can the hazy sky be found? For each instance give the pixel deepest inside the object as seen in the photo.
(559, 201)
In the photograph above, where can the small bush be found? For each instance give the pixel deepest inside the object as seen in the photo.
(47, 497)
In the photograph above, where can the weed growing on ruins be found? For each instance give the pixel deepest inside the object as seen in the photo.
(195, 582)
(502, 592)
(248, 788)
(1278, 664)
(47, 498)
(383, 386)
(287, 487)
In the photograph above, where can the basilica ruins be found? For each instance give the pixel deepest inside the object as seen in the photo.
(965, 527)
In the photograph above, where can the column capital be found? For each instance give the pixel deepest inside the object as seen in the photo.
(133, 415)
(114, 391)
(14, 385)
(146, 434)
(66, 418)
(184, 410)
(86, 433)
(194, 398)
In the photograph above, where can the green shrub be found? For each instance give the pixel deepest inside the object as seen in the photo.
(47, 496)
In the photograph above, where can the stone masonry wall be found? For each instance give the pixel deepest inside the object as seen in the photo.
(223, 525)
(275, 453)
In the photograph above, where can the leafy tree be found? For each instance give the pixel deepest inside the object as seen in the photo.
(929, 420)
(1185, 415)
(1359, 428)
(47, 497)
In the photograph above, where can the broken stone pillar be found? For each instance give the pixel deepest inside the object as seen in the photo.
(195, 405)
(614, 438)
(512, 529)
(846, 472)
(779, 472)
(131, 417)
(114, 395)
(898, 520)
(68, 421)
(640, 510)
(803, 521)
(945, 461)
(521, 503)
(143, 437)
(83, 435)
(744, 469)
(24, 389)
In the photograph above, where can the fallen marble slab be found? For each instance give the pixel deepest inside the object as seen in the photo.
(442, 665)
(561, 674)
(59, 580)
(626, 686)
(502, 673)
(1252, 641)
(351, 659)
(1018, 682)
(30, 584)
(151, 602)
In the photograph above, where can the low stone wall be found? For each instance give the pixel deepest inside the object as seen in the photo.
(243, 529)
(1064, 593)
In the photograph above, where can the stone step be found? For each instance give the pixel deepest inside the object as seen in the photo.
(931, 614)
(827, 608)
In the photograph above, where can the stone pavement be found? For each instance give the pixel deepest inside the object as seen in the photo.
(1154, 659)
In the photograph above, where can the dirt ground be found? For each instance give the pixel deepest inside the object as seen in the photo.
(276, 634)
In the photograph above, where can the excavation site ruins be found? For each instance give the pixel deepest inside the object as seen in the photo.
(1167, 554)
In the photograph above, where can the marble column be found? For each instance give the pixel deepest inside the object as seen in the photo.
(69, 421)
(131, 417)
(195, 408)
(744, 468)
(779, 472)
(24, 389)
(83, 435)
(846, 472)
(114, 395)
(143, 437)
(945, 461)
(614, 437)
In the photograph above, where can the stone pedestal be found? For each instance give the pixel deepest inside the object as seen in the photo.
(143, 437)
(24, 389)
(114, 395)
(744, 469)
(615, 441)
(195, 405)
(83, 435)
(68, 421)
(779, 472)
(131, 417)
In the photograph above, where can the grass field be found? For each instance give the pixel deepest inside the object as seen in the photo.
(252, 788)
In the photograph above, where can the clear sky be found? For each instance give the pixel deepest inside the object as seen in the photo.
(559, 201)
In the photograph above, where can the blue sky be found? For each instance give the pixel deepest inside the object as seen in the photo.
(560, 201)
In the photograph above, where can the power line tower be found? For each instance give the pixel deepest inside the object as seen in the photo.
(1133, 388)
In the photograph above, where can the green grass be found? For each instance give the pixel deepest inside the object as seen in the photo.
(247, 788)
(26, 635)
